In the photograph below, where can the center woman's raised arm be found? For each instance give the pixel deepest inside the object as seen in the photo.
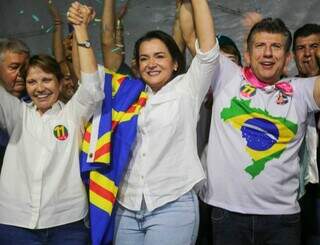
(204, 25)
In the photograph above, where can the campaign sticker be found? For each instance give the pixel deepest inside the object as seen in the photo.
(247, 90)
(60, 132)
(282, 99)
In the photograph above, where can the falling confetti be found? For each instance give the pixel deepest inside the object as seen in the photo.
(115, 49)
(42, 27)
(35, 18)
(49, 29)
(21, 12)
(97, 20)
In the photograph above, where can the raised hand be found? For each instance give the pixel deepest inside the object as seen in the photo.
(54, 12)
(80, 14)
(74, 14)
(88, 14)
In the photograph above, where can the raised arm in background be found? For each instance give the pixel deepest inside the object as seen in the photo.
(61, 48)
(111, 36)
(187, 26)
(57, 46)
(176, 31)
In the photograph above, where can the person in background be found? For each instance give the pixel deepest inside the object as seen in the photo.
(61, 48)
(306, 43)
(13, 54)
(112, 39)
(306, 46)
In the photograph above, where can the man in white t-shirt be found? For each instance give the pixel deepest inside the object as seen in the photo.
(13, 54)
(258, 124)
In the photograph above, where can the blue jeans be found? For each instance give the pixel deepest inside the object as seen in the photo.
(231, 228)
(70, 234)
(174, 223)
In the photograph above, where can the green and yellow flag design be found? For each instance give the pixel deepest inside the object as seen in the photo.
(266, 136)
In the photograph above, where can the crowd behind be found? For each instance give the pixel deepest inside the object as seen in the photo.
(225, 149)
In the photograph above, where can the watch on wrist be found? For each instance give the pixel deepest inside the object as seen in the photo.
(85, 44)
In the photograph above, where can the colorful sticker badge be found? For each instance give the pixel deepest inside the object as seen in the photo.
(247, 90)
(282, 99)
(60, 132)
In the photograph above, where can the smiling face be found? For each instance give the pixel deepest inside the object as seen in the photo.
(67, 88)
(156, 65)
(267, 56)
(43, 88)
(305, 55)
(10, 72)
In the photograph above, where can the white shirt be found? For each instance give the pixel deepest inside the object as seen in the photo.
(165, 163)
(255, 135)
(40, 184)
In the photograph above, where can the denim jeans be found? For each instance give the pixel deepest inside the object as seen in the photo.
(231, 228)
(175, 223)
(70, 234)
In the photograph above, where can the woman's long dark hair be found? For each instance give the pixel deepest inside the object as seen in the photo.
(171, 45)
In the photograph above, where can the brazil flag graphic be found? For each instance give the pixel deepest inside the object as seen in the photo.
(266, 136)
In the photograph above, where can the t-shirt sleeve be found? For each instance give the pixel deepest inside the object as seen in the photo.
(303, 92)
(226, 73)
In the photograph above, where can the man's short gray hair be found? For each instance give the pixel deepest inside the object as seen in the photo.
(12, 45)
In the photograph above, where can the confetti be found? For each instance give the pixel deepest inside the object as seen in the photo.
(49, 29)
(42, 27)
(35, 18)
(97, 20)
(21, 12)
(115, 49)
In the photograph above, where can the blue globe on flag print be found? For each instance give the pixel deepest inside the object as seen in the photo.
(260, 133)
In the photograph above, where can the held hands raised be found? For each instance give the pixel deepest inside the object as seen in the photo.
(80, 15)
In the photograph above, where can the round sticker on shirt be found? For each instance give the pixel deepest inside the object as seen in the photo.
(282, 99)
(247, 90)
(60, 132)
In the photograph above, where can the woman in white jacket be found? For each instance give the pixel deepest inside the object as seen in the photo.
(42, 197)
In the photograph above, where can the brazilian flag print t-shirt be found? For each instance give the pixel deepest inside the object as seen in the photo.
(255, 135)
